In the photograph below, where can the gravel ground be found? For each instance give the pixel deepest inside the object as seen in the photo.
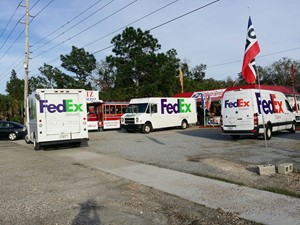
(207, 152)
(45, 188)
(41, 188)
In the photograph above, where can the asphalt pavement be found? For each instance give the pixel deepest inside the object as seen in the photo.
(251, 204)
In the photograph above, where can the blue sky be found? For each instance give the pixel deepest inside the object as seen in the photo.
(214, 35)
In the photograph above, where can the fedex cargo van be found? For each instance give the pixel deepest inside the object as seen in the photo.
(255, 112)
(147, 114)
(56, 116)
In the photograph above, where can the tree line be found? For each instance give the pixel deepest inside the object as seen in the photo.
(136, 68)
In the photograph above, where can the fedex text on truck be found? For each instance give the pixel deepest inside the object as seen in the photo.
(179, 107)
(66, 106)
(269, 106)
(238, 103)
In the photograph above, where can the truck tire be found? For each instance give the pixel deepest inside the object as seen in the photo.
(268, 132)
(36, 145)
(146, 128)
(12, 136)
(184, 124)
(27, 140)
(293, 128)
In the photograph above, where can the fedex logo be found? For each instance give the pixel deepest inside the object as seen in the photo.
(179, 107)
(238, 103)
(269, 106)
(65, 106)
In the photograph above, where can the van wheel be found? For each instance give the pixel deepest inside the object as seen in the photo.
(293, 128)
(36, 145)
(146, 128)
(268, 132)
(184, 124)
(235, 137)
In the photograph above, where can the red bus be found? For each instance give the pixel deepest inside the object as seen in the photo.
(105, 115)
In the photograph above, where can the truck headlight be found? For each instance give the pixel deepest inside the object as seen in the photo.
(136, 120)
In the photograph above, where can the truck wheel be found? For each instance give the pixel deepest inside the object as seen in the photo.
(293, 128)
(27, 140)
(268, 132)
(36, 145)
(184, 124)
(146, 128)
(12, 136)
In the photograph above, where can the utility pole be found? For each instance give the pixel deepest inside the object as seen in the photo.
(26, 61)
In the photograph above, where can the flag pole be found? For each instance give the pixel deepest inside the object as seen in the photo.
(262, 112)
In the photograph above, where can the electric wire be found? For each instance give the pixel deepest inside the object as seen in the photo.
(62, 26)
(74, 25)
(68, 39)
(169, 21)
(137, 20)
(13, 43)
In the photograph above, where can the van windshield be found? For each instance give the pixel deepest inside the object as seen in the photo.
(137, 108)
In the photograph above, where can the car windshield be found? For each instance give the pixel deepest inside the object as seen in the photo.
(137, 108)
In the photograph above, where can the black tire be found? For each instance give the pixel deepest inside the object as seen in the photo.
(27, 140)
(12, 136)
(268, 132)
(293, 128)
(184, 124)
(235, 137)
(36, 145)
(146, 128)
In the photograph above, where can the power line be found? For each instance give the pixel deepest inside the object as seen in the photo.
(10, 19)
(62, 26)
(259, 56)
(147, 15)
(10, 47)
(68, 39)
(74, 25)
(169, 21)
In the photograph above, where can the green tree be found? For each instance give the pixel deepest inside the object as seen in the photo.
(15, 90)
(138, 70)
(81, 63)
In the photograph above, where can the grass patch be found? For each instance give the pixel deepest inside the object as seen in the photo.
(282, 191)
(269, 189)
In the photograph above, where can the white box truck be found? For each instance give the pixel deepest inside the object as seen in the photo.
(147, 114)
(56, 116)
(256, 112)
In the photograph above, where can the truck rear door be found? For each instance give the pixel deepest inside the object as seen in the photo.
(237, 111)
(63, 123)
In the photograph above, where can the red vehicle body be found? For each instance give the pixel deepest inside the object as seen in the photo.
(105, 115)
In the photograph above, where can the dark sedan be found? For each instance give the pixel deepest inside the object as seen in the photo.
(12, 130)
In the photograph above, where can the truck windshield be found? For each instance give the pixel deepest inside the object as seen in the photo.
(137, 108)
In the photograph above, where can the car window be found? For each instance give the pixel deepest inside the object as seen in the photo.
(1, 125)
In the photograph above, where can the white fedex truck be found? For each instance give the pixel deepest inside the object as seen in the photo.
(56, 116)
(256, 112)
(147, 114)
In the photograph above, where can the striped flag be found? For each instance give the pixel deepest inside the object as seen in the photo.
(251, 50)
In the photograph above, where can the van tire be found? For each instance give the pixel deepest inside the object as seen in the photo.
(293, 128)
(36, 145)
(184, 124)
(268, 132)
(146, 128)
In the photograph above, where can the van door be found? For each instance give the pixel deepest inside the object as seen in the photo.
(237, 111)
